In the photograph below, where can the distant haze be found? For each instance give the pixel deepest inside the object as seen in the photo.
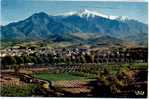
(15, 10)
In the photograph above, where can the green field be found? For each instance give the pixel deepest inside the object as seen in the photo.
(62, 76)
(113, 69)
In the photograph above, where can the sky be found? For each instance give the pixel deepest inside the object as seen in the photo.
(16, 10)
(97, 0)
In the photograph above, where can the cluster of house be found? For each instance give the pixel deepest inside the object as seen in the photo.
(100, 55)
(15, 52)
(56, 51)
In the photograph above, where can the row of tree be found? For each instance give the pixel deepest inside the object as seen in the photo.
(49, 58)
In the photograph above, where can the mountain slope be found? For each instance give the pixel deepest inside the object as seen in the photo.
(63, 27)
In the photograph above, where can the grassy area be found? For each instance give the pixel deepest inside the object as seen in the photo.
(17, 91)
(141, 66)
(62, 76)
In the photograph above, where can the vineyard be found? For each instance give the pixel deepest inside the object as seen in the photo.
(78, 80)
(11, 86)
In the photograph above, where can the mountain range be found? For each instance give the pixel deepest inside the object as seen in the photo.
(82, 26)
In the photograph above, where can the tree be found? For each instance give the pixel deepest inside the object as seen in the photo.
(34, 59)
(19, 60)
(82, 59)
(26, 59)
(50, 58)
(8, 60)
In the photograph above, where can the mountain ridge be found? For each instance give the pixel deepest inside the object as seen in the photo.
(47, 27)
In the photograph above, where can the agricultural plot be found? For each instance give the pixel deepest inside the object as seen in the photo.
(84, 80)
(86, 71)
(53, 77)
(73, 86)
(11, 86)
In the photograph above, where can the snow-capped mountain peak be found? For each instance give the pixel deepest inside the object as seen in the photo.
(85, 13)
(88, 13)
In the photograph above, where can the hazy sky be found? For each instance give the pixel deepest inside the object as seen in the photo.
(15, 10)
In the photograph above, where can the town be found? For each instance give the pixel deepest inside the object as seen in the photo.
(75, 55)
